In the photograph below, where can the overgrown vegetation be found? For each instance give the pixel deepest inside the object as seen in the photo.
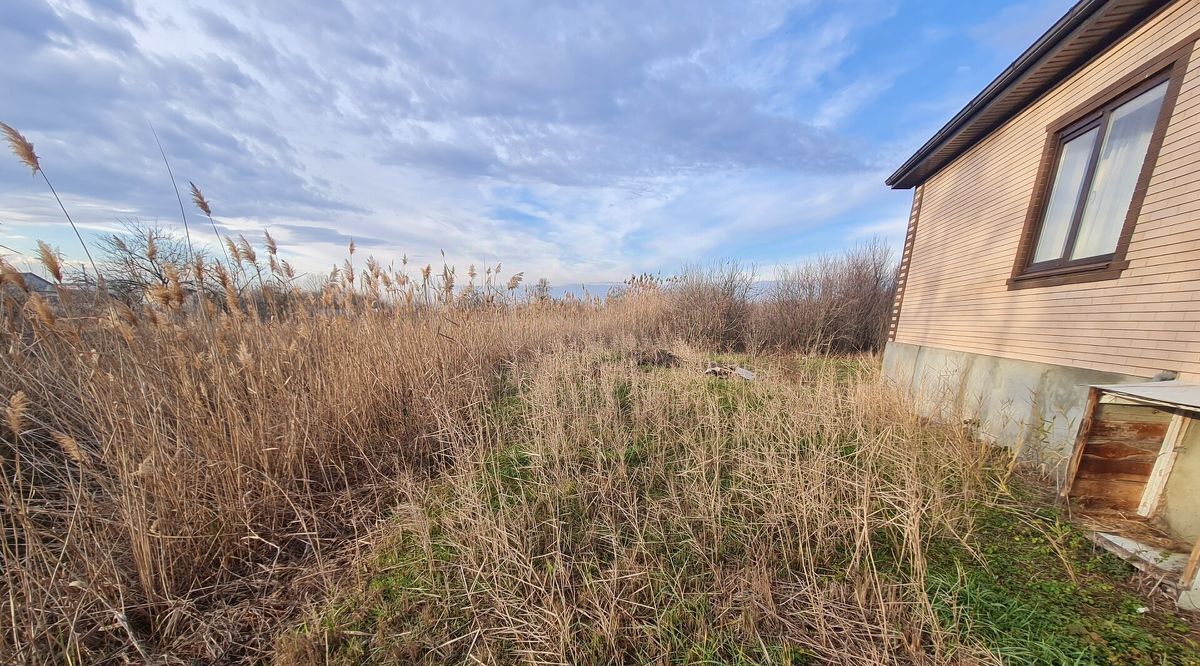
(624, 514)
(196, 450)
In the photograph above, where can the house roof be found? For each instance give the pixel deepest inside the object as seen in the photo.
(37, 283)
(1081, 34)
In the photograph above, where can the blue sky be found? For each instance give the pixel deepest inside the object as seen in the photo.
(578, 141)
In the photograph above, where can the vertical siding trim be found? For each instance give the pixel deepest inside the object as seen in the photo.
(910, 237)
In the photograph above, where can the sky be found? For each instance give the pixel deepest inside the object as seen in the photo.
(575, 141)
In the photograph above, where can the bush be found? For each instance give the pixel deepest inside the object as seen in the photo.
(710, 305)
(835, 304)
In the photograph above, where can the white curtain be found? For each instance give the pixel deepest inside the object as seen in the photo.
(1121, 157)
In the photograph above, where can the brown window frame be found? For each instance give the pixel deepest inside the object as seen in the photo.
(1169, 67)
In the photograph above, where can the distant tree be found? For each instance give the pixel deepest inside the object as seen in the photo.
(540, 290)
(136, 260)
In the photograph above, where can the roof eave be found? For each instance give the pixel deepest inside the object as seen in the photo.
(1073, 25)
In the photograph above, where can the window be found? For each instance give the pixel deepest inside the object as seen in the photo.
(1098, 165)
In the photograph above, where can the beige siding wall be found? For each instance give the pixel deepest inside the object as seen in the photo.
(973, 211)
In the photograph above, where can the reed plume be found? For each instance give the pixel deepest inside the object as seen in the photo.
(41, 309)
(203, 205)
(18, 405)
(9, 275)
(50, 261)
(234, 254)
(70, 447)
(247, 250)
(23, 149)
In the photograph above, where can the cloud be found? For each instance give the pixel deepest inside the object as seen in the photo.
(581, 141)
(851, 97)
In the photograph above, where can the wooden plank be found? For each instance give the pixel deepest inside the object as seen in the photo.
(1188, 580)
(1118, 449)
(1146, 437)
(1156, 485)
(1108, 492)
(1081, 438)
(1136, 417)
(1119, 454)
(1135, 412)
(1092, 466)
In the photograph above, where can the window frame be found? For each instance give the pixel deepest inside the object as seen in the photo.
(1169, 67)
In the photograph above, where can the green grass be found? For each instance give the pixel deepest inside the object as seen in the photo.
(1039, 592)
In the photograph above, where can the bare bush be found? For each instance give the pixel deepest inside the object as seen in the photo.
(833, 304)
(141, 258)
(710, 304)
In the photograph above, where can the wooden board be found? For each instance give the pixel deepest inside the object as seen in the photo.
(1118, 455)
(1108, 493)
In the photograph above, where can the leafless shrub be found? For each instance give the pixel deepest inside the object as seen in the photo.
(138, 259)
(833, 304)
(710, 304)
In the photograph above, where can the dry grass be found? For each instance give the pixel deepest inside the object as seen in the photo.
(172, 481)
(606, 513)
(608, 508)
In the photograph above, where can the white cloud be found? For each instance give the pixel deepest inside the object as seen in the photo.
(579, 142)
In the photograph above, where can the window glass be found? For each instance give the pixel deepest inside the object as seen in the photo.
(1068, 181)
(1121, 157)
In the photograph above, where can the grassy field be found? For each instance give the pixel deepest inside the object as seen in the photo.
(540, 483)
(626, 513)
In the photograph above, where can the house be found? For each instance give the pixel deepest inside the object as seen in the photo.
(1049, 287)
(36, 284)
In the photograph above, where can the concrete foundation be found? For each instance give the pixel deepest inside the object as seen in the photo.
(1034, 408)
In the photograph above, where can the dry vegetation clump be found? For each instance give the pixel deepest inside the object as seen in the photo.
(168, 475)
(834, 303)
(603, 510)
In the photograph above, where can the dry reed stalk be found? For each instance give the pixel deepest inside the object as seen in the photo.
(187, 232)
